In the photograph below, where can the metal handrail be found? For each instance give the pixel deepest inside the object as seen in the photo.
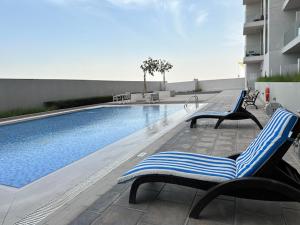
(189, 101)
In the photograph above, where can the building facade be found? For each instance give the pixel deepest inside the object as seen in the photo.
(272, 38)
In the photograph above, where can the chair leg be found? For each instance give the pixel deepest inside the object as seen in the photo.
(220, 120)
(204, 201)
(256, 121)
(287, 192)
(134, 188)
(139, 181)
(193, 123)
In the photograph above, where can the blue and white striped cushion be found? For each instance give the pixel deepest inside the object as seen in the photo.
(238, 101)
(182, 164)
(274, 134)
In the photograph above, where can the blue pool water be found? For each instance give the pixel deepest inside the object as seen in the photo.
(30, 150)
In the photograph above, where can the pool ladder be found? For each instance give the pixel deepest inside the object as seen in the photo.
(196, 100)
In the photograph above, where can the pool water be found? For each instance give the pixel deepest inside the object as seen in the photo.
(32, 149)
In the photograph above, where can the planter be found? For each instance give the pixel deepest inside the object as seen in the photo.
(138, 97)
(285, 93)
(164, 94)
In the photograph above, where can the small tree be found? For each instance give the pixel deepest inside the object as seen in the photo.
(149, 66)
(163, 67)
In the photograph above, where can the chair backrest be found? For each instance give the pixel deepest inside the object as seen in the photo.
(155, 96)
(239, 101)
(255, 95)
(267, 143)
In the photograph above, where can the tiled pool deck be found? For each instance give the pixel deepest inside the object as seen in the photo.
(170, 204)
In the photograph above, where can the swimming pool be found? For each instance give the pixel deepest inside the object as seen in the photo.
(32, 149)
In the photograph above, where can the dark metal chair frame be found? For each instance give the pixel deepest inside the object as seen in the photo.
(250, 100)
(240, 114)
(275, 180)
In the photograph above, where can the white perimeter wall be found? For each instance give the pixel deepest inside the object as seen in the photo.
(26, 93)
(181, 86)
(208, 85)
(286, 93)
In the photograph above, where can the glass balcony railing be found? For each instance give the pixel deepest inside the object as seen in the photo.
(292, 33)
(289, 69)
(253, 50)
(284, 70)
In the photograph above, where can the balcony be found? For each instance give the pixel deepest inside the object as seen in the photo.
(249, 2)
(254, 54)
(254, 24)
(291, 5)
(253, 59)
(292, 39)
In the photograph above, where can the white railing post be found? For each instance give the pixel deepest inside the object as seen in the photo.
(280, 70)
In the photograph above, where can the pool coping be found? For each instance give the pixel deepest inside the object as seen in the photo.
(47, 179)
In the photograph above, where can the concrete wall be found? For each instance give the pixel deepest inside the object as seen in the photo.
(208, 85)
(222, 84)
(26, 93)
(181, 86)
(252, 73)
(286, 93)
(278, 24)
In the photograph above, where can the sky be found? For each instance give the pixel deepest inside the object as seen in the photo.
(109, 39)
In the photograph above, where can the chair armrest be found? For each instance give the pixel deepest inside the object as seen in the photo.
(235, 156)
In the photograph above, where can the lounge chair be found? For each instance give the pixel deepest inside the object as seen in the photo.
(250, 99)
(153, 97)
(258, 173)
(127, 97)
(237, 113)
(116, 98)
(122, 98)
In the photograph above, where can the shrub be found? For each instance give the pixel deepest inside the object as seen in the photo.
(63, 104)
(281, 78)
(19, 112)
(53, 105)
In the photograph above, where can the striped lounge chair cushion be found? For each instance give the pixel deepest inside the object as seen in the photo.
(274, 134)
(187, 165)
